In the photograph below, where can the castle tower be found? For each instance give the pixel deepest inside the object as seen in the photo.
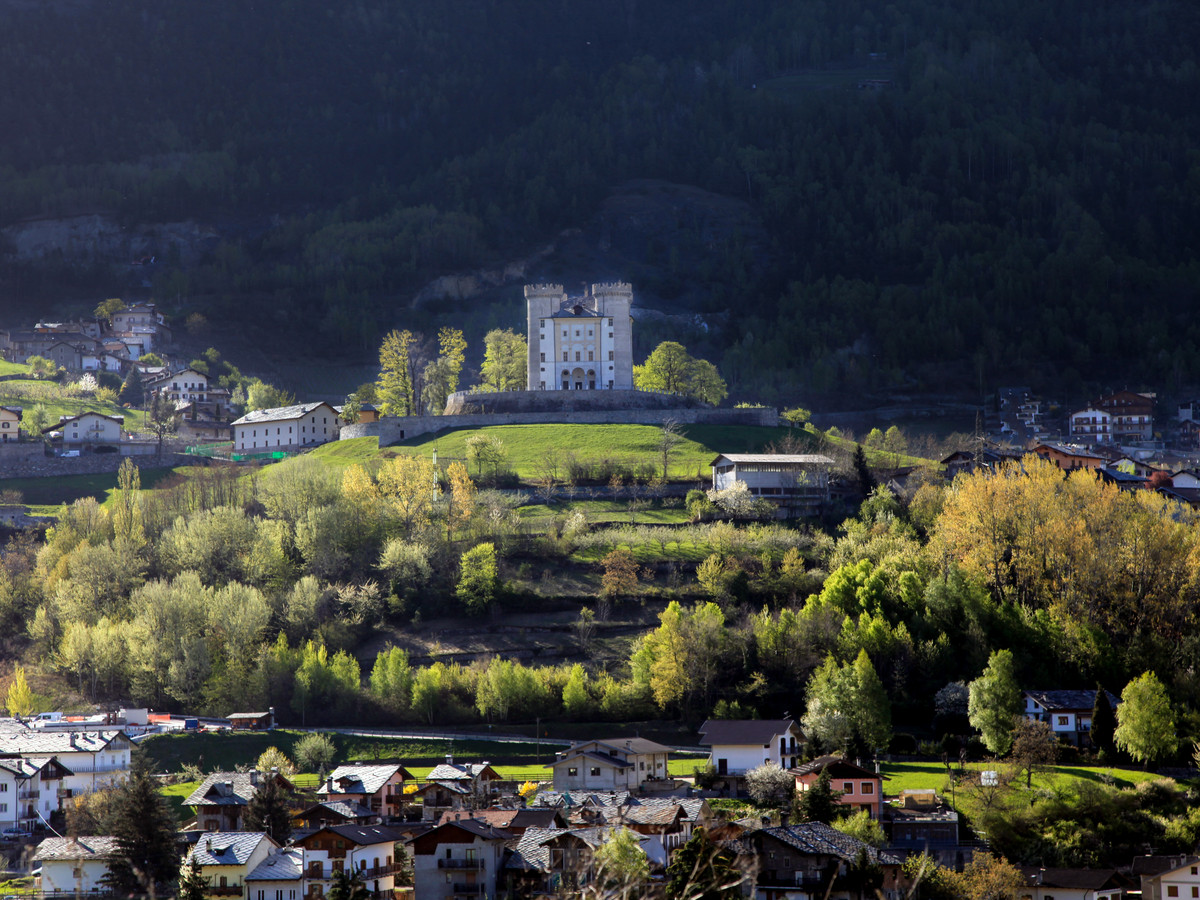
(580, 343)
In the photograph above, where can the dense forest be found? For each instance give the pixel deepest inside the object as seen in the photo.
(1013, 194)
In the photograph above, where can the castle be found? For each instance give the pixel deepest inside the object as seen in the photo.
(580, 343)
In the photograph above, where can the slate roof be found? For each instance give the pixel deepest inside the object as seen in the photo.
(1076, 701)
(281, 413)
(226, 848)
(819, 839)
(457, 771)
(569, 799)
(28, 766)
(602, 758)
(281, 865)
(344, 808)
(530, 853)
(55, 743)
(507, 819)
(744, 731)
(358, 779)
(226, 789)
(71, 849)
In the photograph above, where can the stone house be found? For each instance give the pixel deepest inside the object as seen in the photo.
(221, 799)
(582, 343)
(286, 428)
(860, 789)
(378, 788)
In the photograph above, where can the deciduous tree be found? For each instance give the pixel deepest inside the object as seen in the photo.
(478, 581)
(670, 369)
(19, 699)
(395, 382)
(995, 702)
(504, 361)
(771, 786)
(1145, 721)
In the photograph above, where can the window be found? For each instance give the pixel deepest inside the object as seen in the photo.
(1062, 720)
(543, 357)
(3, 788)
(595, 771)
(591, 356)
(576, 356)
(572, 770)
(564, 356)
(1172, 890)
(1195, 891)
(576, 332)
(848, 787)
(868, 787)
(610, 323)
(541, 323)
(610, 354)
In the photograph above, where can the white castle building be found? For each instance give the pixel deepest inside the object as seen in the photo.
(580, 343)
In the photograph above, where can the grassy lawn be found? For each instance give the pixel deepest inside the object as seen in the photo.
(29, 392)
(340, 454)
(603, 512)
(12, 368)
(50, 492)
(922, 775)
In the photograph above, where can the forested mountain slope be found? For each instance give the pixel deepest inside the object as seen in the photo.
(1017, 194)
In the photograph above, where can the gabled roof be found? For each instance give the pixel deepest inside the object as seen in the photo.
(362, 834)
(838, 766)
(801, 459)
(344, 808)
(531, 852)
(819, 839)
(451, 771)
(281, 865)
(28, 766)
(227, 848)
(229, 789)
(1069, 701)
(508, 819)
(746, 731)
(602, 759)
(281, 413)
(358, 779)
(120, 420)
(56, 743)
(72, 849)
(1070, 879)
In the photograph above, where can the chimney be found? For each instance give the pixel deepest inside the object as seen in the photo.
(254, 777)
(629, 745)
(329, 784)
(209, 843)
(449, 759)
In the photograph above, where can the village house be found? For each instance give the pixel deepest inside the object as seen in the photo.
(369, 850)
(514, 821)
(920, 822)
(94, 759)
(860, 789)
(30, 791)
(379, 788)
(1070, 457)
(812, 860)
(796, 483)
(89, 428)
(461, 858)
(1131, 415)
(74, 867)
(1069, 713)
(285, 428)
(559, 863)
(610, 765)
(456, 786)
(280, 876)
(1166, 877)
(221, 799)
(1091, 426)
(10, 423)
(1073, 884)
(739, 745)
(225, 858)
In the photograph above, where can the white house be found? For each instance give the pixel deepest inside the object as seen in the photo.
(278, 877)
(30, 790)
(74, 867)
(1179, 881)
(186, 385)
(369, 850)
(95, 759)
(459, 858)
(1091, 426)
(610, 765)
(1071, 884)
(10, 423)
(225, 858)
(286, 428)
(90, 428)
(1069, 713)
(739, 745)
(798, 483)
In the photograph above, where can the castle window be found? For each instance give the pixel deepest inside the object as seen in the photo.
(576, 332)
(576, 356)
(610, 354)
(610, 323)
(543, 357)
(591, 356)
(564, 356)
(541, 323)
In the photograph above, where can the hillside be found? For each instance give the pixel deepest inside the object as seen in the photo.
(855, 199)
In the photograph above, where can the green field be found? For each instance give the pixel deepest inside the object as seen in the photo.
(601, 512)
(12, 368)
(29, 392)
(924, 775)
(48, 493)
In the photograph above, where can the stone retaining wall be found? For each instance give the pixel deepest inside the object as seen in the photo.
(29, 460)
(502, 402)
(392, 430)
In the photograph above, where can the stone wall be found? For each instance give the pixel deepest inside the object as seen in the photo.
(493, 402)
(392, 430)
(29, 460)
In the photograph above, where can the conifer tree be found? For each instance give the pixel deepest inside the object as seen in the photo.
(145, 835)
(268, 810)
(1104, 722)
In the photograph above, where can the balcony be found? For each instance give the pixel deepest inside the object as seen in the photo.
(381, 871)
(233, 890)
(468, 890)
(28, 795)
(461, 864)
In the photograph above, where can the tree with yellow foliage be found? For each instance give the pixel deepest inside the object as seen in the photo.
(20, 698)
(394, 385)
(408, 486)
(462, 498)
